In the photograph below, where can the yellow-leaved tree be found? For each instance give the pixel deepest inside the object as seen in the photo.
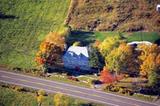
(76, 43)
(108, 45)
(60, 100)
(40, 96)
(122, 59)
(150, 59)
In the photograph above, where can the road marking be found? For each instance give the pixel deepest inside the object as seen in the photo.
(63, 93)
(77, 87)
(61, 88)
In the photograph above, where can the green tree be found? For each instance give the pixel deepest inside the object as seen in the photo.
(94, 57)
(121, 59)
(153, 79)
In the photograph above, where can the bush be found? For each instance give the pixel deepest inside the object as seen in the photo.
(115, 89)
(18, 88)
(41, 92)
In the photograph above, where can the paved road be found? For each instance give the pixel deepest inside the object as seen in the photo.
(71, 90)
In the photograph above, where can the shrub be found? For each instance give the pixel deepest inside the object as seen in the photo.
(18, 88)
(41, 92)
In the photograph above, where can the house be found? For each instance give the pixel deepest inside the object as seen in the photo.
(77, 58)
(158, 8)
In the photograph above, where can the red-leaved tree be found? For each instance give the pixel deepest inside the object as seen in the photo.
(106, 77)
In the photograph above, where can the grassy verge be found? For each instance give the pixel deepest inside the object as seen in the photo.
(136, 96)
(12, 97)
(64, 79)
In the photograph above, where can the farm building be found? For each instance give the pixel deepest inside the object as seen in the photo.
(158, 8)
(77, 58)
(140, 42)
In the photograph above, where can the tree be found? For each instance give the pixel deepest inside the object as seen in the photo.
(76, 43)
(41, 92)
(109, 44)
(40, 96)
(153, 79)
(56, 39)
(54, 55)
(121, 59)
(150, 63)
(40, 99)
(51, 50)
(105, 76)
(61, 100)
(150, 59)
(94, 57)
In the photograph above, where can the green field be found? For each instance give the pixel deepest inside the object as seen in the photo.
(144, 36)
(24, 24)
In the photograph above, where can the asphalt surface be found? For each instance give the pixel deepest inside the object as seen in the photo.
(71, 90)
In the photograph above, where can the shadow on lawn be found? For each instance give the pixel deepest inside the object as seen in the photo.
(158, 42)
(71, 72)
(84, 37)
(4, 16)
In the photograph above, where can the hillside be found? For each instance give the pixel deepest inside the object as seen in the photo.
(115, 15)
(24, 24)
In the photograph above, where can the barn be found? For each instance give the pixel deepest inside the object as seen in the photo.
(77, 58)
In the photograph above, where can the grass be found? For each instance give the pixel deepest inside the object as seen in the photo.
(64, 79)
(24, 24)
(144, 36)
(136, 96)
(102, 35)
(89, 37)
(11, 97)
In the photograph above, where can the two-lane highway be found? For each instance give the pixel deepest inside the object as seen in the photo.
(71, 90)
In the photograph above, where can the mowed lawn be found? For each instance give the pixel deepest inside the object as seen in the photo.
(89, 37)
(24, 24)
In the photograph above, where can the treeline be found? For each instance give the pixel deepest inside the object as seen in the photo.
(135, 60)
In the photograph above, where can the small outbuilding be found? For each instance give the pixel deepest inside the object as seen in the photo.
(158, 8)
(140, 42)
(77, 58)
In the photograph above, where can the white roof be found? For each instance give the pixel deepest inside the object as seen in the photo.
(78, 50)
(158, 6)
(140, 42)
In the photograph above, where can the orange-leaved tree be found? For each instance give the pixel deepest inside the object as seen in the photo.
(106, 77)
(50, 50)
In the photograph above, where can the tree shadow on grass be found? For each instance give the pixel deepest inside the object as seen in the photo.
(72, 72)
(4, 16)
(84, 37)
(158, 42)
